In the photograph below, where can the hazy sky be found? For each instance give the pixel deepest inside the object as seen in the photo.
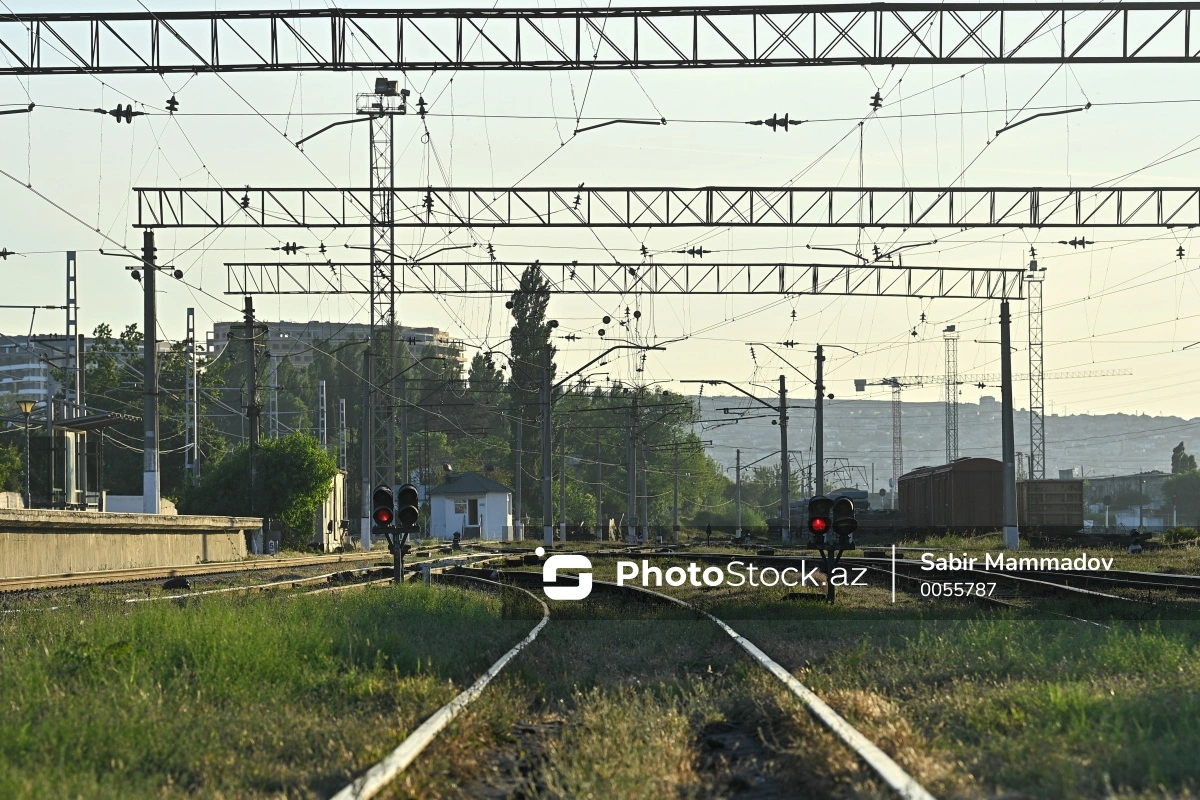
(1126, 302)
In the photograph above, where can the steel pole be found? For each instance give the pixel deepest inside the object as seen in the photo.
(151, 488)
(819, 433)
(28, 496)
(675, 511)
(785, 513)
(1009, 445)
(737, 495)
(562, 480)
(366, 447)
(518, 472)
(547, 457)
(600, 533)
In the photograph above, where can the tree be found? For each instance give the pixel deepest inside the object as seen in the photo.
(1183, 490)
(529, 336)
(1181, 461)
(12, 468)
(293, 480)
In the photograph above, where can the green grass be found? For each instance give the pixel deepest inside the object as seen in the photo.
(232, 697)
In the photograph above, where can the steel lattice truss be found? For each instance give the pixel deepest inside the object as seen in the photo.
(1037, 384)
(482, 277)
(627, 207)
(598, 38)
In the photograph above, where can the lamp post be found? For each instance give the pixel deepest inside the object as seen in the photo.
(26, 407)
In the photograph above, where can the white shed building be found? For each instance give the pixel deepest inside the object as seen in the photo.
(472, 505)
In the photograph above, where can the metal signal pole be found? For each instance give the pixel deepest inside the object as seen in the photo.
(785, 461)
(253, 407)
(600, 532)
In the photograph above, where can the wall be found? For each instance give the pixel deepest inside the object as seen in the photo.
(497, 517)
(43, 542)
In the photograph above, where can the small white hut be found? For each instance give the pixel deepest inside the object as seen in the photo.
(471, 505)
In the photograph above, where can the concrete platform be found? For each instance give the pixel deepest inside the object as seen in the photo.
(41, 542)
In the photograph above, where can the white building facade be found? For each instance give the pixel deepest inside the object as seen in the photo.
(471, 505)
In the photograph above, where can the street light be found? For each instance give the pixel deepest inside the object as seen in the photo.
(26, 407)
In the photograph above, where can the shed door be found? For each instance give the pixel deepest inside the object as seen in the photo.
(473, 511)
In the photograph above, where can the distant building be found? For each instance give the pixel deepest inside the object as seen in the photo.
(472, 505)
(294, 340)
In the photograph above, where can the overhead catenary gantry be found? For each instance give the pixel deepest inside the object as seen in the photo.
(493, 278)
(150, 42)
(706, 206)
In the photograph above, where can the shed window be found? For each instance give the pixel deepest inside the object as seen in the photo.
(460, 506)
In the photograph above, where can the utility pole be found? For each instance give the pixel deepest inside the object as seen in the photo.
(819, 432)
(191, 451)
(737, 496)
(1009, 445)
(547, 456)
(645, 518)
(785, 472)
(1037, 393)
(518, 470)
(273, 396)
(342, 444)
(562, 479)
(404, 469)
(631, 476)
(72, 332)
(151, 487)
(675, 510)
(322, 417)
(600, 537)
(253, 407)
(366, 446)
(950, 335)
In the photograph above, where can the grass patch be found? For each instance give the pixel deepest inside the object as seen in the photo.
(232, 697)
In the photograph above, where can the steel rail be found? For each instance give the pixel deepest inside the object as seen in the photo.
(884, 766)
(381, 774)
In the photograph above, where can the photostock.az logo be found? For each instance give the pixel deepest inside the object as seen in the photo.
(550, 576)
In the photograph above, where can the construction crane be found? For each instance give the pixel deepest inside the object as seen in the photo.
(899, 382)
(896, 385)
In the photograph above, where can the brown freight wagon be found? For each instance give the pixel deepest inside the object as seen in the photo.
(965, 495)
(1050, 506)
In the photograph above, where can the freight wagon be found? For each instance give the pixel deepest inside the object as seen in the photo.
(1050, 506)
(968, 495)
(964, 495)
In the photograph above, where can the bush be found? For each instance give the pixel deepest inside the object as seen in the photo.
(293, 480)
(1179, 535)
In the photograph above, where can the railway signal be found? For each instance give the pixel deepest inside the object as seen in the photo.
(820, 518)
(383, 511)
(844, 523)
(407, 511)
(827, 516)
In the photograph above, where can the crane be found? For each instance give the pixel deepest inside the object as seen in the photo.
(899, 382)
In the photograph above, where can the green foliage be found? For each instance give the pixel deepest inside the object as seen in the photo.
(293, 479)
(1179, 534)
(1183, 491)
(1181, 461)
(113, 368)
(12, 468)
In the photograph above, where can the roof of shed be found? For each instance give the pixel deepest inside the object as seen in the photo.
(469, 483)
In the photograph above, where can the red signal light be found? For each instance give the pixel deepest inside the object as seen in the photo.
(818, 525)
(383, 516)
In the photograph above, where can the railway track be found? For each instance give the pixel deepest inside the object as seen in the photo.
(376, 778)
